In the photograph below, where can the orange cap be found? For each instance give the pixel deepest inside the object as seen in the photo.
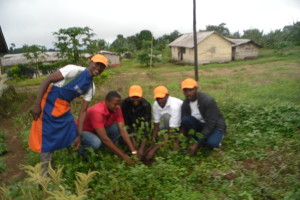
(188, 83)
(160, 92)
(135, 91)
(98, 58)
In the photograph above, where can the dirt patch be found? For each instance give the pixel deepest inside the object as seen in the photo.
(16, 153)
(15, 156)
(265, 166)
(249, 69)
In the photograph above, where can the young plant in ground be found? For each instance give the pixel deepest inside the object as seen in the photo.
(52, 185)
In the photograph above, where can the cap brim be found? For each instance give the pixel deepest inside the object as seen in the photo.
(135, 95)
(188, 87)
(159, 96)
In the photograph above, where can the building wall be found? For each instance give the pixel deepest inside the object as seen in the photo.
(174, 51)
(212, 49)
(246, 51)
(114, 60)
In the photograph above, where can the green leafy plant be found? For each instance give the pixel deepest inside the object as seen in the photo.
(52, 185)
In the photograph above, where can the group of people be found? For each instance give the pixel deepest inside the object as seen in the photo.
(103, 124)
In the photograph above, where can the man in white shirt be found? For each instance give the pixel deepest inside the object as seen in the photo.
(166, 113)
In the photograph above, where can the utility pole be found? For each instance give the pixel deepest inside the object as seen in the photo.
(195, 42)
(151, 52)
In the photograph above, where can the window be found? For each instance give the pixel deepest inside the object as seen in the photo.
(213, 50)
(182, 49)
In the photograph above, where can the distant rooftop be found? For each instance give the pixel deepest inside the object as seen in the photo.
(187, 40)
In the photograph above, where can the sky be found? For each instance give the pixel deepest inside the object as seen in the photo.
(34, 21)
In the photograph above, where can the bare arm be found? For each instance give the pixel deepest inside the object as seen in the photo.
(82, 115)
(107, 141)
(81, 119)
(155, 132)
(125, 136)
(52, 78)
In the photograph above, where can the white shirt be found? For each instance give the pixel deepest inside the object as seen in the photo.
(172, 107)
(195, 111)
(70, 72)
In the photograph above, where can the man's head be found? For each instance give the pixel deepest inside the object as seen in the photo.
(135, 94)
(98, 64)
(113, 101)
(161, 95)
(189, 87)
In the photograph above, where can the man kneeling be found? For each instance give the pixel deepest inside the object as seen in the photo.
(104, 124)
(200, 113)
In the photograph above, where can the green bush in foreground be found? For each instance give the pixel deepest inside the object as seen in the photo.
(49, 187)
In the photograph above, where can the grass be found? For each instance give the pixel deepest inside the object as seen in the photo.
(259, 157)
(3, 150)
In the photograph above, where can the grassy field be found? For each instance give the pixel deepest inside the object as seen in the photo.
(259, 158)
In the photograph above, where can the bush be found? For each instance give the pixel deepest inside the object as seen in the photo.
(10, 102)
(21, 72)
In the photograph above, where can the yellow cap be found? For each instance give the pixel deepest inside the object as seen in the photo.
(188, 83)
(99, 58)
(160, 92)
(135, 91)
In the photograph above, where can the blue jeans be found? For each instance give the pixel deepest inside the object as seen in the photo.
(191, 123)
(89, 139)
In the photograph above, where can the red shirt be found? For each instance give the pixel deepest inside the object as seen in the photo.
(98, 116)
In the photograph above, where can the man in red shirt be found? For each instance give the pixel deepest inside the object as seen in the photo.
(104, 124)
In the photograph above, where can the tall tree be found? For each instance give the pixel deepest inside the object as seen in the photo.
(272, 38)
(36, 54)
(132, 43)
(120, 44)
(143, 36)
(97, 45)
(72, 41)
(236, 35)
(221, 29)
(254, 34)
(12, 47)
(292, 32)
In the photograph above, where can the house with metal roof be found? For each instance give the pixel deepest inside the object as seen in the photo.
(212, 47)
(20, 58)
(244, 49)
(113, 58)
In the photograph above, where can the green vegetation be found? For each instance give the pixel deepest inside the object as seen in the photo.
(259, 157)
(3, 150)
(49, 187)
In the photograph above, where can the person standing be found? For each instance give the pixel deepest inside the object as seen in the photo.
(54, 126)
(201, 114)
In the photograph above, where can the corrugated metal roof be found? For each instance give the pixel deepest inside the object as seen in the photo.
(50, 56)
(108, 52)
(3, 45)
(187, 40)
(238, 42)
(19, 58)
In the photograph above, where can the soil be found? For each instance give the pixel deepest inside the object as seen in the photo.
(16, 154)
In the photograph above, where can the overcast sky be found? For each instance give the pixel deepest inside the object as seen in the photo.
(34, 21)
